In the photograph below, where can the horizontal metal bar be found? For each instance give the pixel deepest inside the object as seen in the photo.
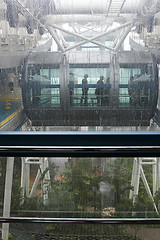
(98, 144)
(145, 221)
(80, 151)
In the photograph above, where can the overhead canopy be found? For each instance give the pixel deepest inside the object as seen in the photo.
(95, 7)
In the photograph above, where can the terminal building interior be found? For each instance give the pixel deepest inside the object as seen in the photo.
(87, 68)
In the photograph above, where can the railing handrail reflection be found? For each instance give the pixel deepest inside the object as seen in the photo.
(74, 143)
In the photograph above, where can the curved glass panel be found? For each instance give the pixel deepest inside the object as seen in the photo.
(44, 86)
(89, 85)
(136, 86)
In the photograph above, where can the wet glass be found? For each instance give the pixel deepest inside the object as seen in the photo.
(88, 67)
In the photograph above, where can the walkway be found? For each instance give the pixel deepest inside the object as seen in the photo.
(10, 105)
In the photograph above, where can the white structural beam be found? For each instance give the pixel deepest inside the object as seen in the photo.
(55, 37)
(42, 174)
(158, 173)
(22, 179)
(35, 184)
(65, 44)
(45, 179)
(86, 39)
(136, 179)
(155, 180)
(139, 172)
(122, 37)
(148, 189)
(7, 196)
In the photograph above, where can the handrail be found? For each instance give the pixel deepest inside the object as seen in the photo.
(144, 221)
(82, 151)
(80, 144)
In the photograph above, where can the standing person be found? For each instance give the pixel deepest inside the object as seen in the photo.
(36, 88)
(11, 80)
(106, 93)
(71, 87)
(99, 91)
(84, 90)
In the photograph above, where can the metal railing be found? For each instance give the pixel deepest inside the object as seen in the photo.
(78, 144)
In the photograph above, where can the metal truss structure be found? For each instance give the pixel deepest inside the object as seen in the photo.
(90, 22)
(138, 172)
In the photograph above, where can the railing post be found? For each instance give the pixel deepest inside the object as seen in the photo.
(7, 196)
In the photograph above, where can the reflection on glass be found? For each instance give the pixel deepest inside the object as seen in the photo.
(44, 85)
(83, 187)
(85, 88)
(136, 88)
(88, 187)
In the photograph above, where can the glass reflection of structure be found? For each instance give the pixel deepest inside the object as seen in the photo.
(136, 85)
(44, 85)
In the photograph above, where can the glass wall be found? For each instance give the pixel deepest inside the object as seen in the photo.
(44, 85)
(89, 85)
(136, 86)
(83, 187)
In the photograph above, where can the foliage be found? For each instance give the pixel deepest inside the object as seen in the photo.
(118, 173)
(85, 185)
(16, 190)
(77, 189)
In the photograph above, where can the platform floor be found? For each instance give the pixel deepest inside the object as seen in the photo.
(10, 105)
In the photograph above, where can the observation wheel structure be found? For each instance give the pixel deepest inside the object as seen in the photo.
(92, 30)
(85, 21)
(66, 91)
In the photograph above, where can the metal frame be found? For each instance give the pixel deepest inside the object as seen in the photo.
(78, 144)
(112, 111)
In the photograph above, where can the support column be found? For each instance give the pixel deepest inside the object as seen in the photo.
(7, 196)
(46, 181)
(133, 179)
(136, 180)
(27, 173)
(155, 180)
(148, 189)
(158, 173)
(22, 179)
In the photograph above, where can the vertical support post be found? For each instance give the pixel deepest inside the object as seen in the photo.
(158, 173)
(27, 173)
(7, 101)
(155, 177)
(7, 196)
(46, 181)
(136, 180)
(133, 179)
(35, 184)
(23, 179)
(148, 189)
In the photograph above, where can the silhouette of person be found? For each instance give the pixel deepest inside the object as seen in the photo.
(131, 91)
(99, 91)
(11, 79)
(106, 93)
(36, 89)
(85, 89)
(71, 87)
